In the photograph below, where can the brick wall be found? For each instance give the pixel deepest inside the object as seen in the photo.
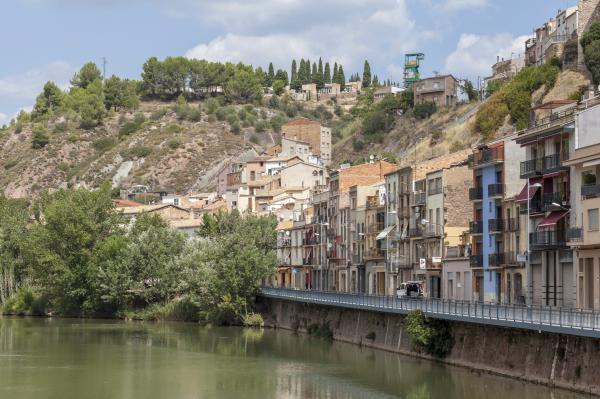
(309, 132)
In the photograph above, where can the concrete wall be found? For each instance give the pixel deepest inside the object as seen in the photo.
(556, 360)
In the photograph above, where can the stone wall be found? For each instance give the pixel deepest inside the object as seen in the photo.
(557, 360)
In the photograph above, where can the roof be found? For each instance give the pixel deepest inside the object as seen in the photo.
(261, 158)
(438, 77)
(302, 121)
(283, 158)
(122, 203)
(134, 210)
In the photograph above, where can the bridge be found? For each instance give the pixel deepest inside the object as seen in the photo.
(538, 318)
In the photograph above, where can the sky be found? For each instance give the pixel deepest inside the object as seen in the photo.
(45, 40)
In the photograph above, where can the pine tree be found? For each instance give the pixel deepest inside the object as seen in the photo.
(320, 70)
(366, 79)
(314, 76)
(308, 74)
(294, 77)
(375, 82)
(327, 73)
(301, 73)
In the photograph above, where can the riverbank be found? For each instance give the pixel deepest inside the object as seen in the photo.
(554, 360)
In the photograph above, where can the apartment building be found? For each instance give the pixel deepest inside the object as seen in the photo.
(495, 227)
(549, 143)
(584, 234)
(312, 133)
(441, 90)
(358, 227)
(376, 241)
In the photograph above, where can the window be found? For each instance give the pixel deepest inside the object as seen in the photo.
(588, 178)
(176, 201)
(593, 219)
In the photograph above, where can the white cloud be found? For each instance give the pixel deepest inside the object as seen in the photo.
(21, 89)
(474, 54)
(4, 119)
(279, 30)
(461, 4)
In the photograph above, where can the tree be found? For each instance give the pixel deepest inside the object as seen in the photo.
(115, 92)
(278, 87)
(592, 59)
(86, 76)
(282, 76)
(294, 78)
(14, 219)
(88, 103)
(270, 76)
(366, 79)
(375, 82)
(327, 73)
(468, 89)
(40, 137)
(153, 77)
(49, 99)
(335, 76)
(341, 77)
(244, 87)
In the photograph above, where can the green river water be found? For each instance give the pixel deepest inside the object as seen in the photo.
(89, 359)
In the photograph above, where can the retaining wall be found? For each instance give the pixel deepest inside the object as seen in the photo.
(552, 359)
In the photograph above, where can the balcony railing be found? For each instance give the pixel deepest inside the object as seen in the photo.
(496, 225)
(310, 241)
(538, 166)
(476, 194)
(435, 190)
(476, 227)
(486, 156)
(551, 163)
(376, 227)
(530, 168)
(513, 224)
(590, 191)
(375, 253)
(549, 199)
(496, 260)
(433, 230)
(419, 199)
(549, 238)
(415, 232)
(476, 260)
(495, 190)
(575, 234)
(398, 262)
(535, 206)
(282, 243)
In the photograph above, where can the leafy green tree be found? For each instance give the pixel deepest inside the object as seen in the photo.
(50, 99)
(468, 89)
(282, 76)
(88, 74)
(592, 35)
(327, 73)
(244, 87)
(14, 219)
(278, 87)
(592, 60)
(366, 79)
(88, 103)
(115, 91)
(153, 77)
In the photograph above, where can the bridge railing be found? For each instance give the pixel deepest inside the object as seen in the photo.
(541, 318)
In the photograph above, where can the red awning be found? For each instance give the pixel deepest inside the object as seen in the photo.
(532, 190)
(552, 219)
(555, 174)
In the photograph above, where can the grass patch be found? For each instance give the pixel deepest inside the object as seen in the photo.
(140, 151)
(104, 144)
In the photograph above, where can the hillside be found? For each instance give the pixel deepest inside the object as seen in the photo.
(163, 151)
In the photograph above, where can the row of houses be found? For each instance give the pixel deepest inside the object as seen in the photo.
(513, 221)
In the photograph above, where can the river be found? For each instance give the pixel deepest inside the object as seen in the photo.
(89, 359)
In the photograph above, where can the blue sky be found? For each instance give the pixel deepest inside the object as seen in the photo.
(49, 39)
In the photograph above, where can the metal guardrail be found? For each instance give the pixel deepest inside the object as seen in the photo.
(539, 318)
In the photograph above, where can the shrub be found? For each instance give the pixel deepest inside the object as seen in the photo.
(61, 127)
(158, 114)
(174, 144)
(276, 122)
(25, 302)
(274, 102)
(260, 126)
(136, 152)
(73, 137)
(232, 118)
(194, 114)
(18, 128)
(457, 146)
(430, 335)
(174, 128)
(242, 114)
(592, 59)
(211, 106)
(376, 122)
(254, 139)
(221, 114)
(104, 144)
(235, 128)
(264, 114)
(424, 110)
(10, 164)
(211, 118)
(254, 320)
(357, 144)
(40, 136)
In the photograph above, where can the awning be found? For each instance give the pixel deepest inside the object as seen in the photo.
(552, 219)
(532, 190)
(385, 232)
(555, 174)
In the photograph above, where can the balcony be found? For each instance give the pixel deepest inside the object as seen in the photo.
(513, 224)
(415, 232)
(476, 260)
(433, 230)
(590, 191)
(311, 241)
(357, 236)
(357, 259)
(435, 190)
(283, 243)
(476, 194)
(496, 260)
(547, 239)
(404, 212)
(307, 261)
(399, 262)
(375, 253)
(548, 199)
(486, 157)
(375, 227)
(535, 206)
(495, 190)
(476, 227)
(419, 199)
(551, 163)
(575, 234)
(530, 168)
(496, 225)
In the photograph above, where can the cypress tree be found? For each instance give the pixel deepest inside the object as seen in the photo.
(341, 78)
(294, 77)
(327, 73)
(320, 70)
(301, 73)
(314, 76)
(270, 75)
(375, 81)
(335, 77)
(366, 79)
(308, 74)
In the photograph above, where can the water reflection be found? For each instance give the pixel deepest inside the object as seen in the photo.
(50, 358)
